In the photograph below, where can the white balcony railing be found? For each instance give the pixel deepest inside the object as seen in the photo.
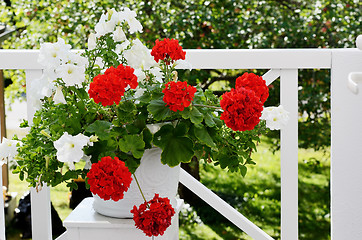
(346, 150)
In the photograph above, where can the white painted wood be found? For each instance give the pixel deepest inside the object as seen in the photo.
(85, 224)
(346, 149)
(353, 79)
(271, 76)
(359, 42)
(258, 58)
(64, 236)
(209, 58)
(40, 201)
(41, 224)
(2, 213)
(289, 155)
(222, 207)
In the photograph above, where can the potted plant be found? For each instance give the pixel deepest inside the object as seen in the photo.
(113, 113)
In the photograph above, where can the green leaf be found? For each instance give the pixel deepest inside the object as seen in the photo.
(209, 119)
(100, 128)
(133, 144)
(195, 116)
(159, 109)
(186, 113)
(177, 150)
(161, 136)
(243, 170)
(147, 137)
(203, 135)
(126, 111)
(131, 162)
(145, 98)
(181, 129)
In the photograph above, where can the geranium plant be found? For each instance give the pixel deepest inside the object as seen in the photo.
(97, 107)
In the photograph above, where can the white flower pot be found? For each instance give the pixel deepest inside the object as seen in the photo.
(153, 177)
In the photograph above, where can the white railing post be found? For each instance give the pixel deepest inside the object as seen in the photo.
(40, 201)
(346, 148)
(289, 155)
(2, 214)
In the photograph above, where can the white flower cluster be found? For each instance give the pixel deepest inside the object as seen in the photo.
(70, 149)
(8, 150)
(275, 117)
(137, 55)
(58, 62)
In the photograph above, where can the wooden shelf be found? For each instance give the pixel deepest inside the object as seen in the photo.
(85, 224)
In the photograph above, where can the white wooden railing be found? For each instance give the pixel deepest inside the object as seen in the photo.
(346, 150)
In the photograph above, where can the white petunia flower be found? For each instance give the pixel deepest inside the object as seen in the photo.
(138, 56)
(88, 163)
(71, 74)
(141, 76)
(50, 54)
(275, 117)
(41, 87)
(130, 17)
(99, 62)
(157, 72)
(92, 41)
(76, 58)
(121, 47)
(100, 27)
(8, 149)
(70, 148)
(118, 35)
(59, 96)
(107, 22)
(139, 92)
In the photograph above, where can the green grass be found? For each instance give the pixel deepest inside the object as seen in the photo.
(257, 196)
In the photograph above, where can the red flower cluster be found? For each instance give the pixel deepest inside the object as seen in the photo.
(242, 109)
(153, 217)
(168, 50)
(178, 95)
(255, 83)
(108, 88)
(109, 178)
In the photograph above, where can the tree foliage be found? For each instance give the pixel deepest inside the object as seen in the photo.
(211, 24)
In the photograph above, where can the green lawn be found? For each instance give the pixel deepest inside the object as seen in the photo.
(257, 196)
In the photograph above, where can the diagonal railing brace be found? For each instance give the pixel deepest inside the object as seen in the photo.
(222, 207)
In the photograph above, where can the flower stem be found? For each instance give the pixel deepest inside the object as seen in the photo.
(202, 105)
(139, 187)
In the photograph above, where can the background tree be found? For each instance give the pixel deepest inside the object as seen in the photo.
(207, 24)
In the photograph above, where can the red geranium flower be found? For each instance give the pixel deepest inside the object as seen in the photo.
(178, 95)
(153, 217)
(255, 83)
(242, 109)
(108, 88)
(109, 178)
(168, 50)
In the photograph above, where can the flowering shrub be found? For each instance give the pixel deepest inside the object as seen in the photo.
(96, 108)
(153, 217)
